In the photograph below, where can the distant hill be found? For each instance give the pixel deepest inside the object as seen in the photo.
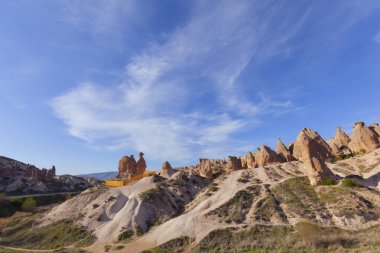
(18, 178)
(101, 175)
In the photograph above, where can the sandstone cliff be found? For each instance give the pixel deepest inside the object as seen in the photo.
(363, 139)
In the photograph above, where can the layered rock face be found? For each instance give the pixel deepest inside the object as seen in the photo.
(233, 163)
(363, 139)
(17, 177)
(376, 128)
(248, 161)
(334, 148)
(313, 159)
(323, 149)
(141, 164)
(266, 155)
(283, 152)
(339, 144)
(205, 168)
(12, 168)
(166, 170)
(128, 167)
(251, 160)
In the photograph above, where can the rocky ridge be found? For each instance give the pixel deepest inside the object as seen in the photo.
(17, 178)
(262, 188)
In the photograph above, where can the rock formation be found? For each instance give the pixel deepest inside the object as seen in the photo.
(313, 159)
(339, 144)
(323, 149)
(341, 138)
(233, 163)
(376, 128)
(243, 160)
(283, 152)
(363, 139)
(291, 148)
(266, 155)
(141, 164)
(251, 161)
(24, 178)
(205, 168)
(248, 161)
(128, 167)
(166, 170)
(334, 148)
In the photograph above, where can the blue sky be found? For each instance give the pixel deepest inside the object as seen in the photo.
(84, 82)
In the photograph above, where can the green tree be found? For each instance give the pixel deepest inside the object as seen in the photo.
(29, 205)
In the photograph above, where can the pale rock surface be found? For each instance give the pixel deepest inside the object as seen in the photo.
(166, 170)
(334, 148)
(363, 139)
(322, 148)
(283, 152)
(266, 155)
(205, 168)
(376, 128)
(251, 161)
(233, 163)
(312, 158)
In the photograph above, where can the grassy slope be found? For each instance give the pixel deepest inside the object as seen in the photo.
(19, 232)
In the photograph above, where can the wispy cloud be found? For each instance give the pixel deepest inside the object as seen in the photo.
(183, 98)
(160, 108)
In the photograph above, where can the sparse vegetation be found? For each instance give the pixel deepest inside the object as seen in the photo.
(348, 202)
(237, 208)
(300, 198)
(304, 237)
(29, 205)
(328, 181)
(125, 235)
(244, 178)
(366, 169)
(174, 245)
(349, 182)
(20, 231)
(150, 194)
(268, 207)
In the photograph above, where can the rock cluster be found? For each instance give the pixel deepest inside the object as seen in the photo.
(166, 170)
(210, 168)
(14, 169)
(233, 163)
(312, 155)
(266, 155)
(128, 167)
(364, 139)
(310, 148)
(324, 150)
(283, 152)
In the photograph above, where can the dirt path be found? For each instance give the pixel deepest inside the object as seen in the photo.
(26, 250)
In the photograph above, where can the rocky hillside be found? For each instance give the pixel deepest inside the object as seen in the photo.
(307, 196)
(17, 178)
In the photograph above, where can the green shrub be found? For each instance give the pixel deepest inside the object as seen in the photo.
(348, 182)
(328, 181)
(16, 202)
(125, 235)
(29, 205)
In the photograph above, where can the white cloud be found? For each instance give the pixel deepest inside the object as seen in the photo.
(158, 108)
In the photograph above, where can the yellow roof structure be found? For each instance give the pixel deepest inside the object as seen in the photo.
(123, 182)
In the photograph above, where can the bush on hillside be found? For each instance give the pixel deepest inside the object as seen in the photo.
(29, 205)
